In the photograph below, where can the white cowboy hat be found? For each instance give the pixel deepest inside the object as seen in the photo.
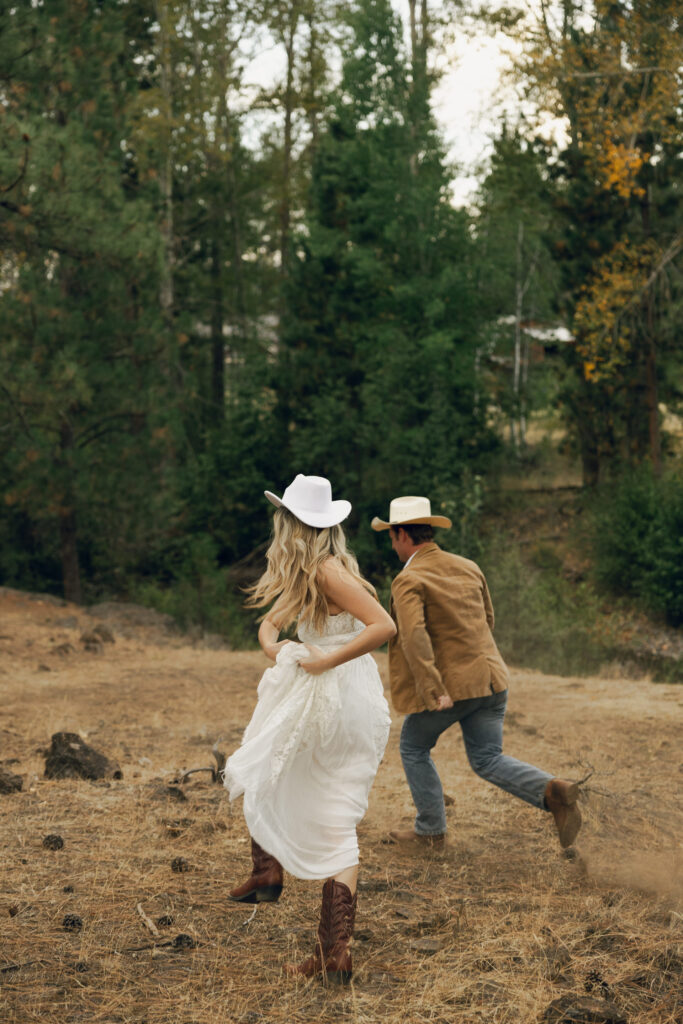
(309, 498)
(410, 509)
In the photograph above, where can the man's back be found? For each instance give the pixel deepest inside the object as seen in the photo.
(444, 615)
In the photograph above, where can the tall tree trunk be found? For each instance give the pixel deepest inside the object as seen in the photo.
(651, 389)
(652, 396)
(518, 440)
(217, 340)
(419, 104)
(312, 98)
(228, 129)
(289, 36)
(166, 293)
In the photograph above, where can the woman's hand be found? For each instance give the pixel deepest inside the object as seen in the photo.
(272, 650)
(317, 663)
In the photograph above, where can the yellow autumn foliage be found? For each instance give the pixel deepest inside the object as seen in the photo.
(609, 305)
(615, 77)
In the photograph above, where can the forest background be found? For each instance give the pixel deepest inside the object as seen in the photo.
(207, 288)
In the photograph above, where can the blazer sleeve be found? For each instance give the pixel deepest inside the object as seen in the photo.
(416, 642)
(488, 606)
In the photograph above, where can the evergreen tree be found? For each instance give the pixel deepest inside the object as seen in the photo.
(376, 373)
(79, 325)
(517, 279)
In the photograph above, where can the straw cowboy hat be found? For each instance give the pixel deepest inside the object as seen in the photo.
(309, 498)
(410, 509)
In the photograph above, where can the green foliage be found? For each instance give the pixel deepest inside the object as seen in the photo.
(376, 380)
(83, 412)
(637, 538)
(542, 620)
(198, 594)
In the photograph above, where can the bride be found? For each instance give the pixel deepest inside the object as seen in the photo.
(312, 748)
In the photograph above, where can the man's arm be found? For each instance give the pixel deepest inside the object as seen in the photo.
(488, 606)
(417, 645)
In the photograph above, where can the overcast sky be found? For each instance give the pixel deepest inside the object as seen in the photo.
(469, 102)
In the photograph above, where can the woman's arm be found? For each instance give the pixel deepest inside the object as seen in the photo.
(269, 631)
(342, 590)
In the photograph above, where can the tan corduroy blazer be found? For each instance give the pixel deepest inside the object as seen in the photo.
(444, 644)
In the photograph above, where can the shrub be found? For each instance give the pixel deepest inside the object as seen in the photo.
(199, 595)
(636, 532)
(542, 620)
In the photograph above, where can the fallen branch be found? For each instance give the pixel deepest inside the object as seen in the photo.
(148, 922)
(216, 773)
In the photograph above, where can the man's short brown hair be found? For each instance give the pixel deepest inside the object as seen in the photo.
(419, 533)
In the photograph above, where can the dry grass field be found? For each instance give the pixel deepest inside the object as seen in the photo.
(493, 929)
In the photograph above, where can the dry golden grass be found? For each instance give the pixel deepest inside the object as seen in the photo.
(508, 923)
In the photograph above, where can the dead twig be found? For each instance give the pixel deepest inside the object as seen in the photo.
(216, 773)
(251, 917)
(148, 922)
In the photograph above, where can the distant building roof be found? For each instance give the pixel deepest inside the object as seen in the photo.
(556, 334)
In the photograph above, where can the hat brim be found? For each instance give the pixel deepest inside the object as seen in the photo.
(337, 512)
(442, 521)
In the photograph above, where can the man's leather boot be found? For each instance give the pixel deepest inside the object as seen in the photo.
(332, 954)
(265, 882)
(410, 839)
(560, 799)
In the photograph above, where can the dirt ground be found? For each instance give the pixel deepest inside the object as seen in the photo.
(494, 928)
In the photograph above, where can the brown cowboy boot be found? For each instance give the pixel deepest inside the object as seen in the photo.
(332, 954)
(410, 839)
(265, 882)
(560, 799)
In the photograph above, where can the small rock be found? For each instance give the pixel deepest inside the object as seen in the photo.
(70, 757)
(571, 1009)
(179, 865)
(428, 945)
(72, 923)
(184, 941)
(9, 782)
(53, 842)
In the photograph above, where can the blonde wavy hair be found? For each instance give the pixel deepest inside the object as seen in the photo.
(294, 557)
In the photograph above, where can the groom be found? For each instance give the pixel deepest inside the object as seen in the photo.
(444, 668)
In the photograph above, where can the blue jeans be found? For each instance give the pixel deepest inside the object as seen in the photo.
(481, 721)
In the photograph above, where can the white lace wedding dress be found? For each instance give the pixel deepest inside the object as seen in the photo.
(310, 754)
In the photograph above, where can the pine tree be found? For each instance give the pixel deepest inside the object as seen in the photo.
(376, 380)
(80, 247)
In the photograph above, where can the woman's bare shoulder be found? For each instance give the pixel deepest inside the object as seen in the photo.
(334, 572)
